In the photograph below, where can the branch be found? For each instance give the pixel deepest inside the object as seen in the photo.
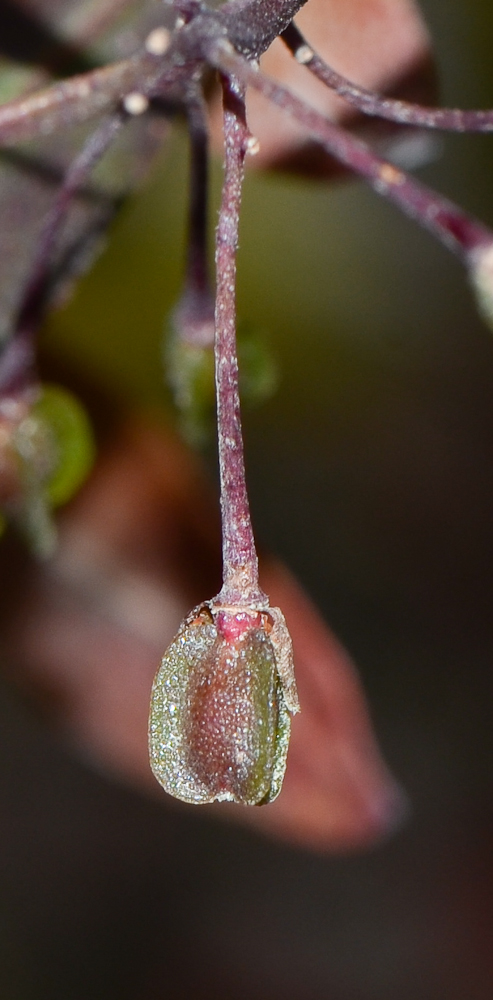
(69, 102)
(402, 112)
(457, 230)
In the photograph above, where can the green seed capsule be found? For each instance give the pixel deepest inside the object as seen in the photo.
(219, 722)
(190, 373)
(70, 439)
(46, 451)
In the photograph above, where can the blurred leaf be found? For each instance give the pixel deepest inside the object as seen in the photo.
(39, 41)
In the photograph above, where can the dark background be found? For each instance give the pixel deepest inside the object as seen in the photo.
(371, 473)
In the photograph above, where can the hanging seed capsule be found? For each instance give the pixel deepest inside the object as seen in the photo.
(219, 722)
(71, 441)
(190, 374)
(46, 451)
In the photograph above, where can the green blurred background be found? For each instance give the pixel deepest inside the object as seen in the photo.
(371, 474)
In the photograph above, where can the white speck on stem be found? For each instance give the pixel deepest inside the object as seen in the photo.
(252, 145)
(304, 54)
(157, 42)
(135, 103)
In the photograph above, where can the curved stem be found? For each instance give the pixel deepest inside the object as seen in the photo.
(240, 566)
(402, 112)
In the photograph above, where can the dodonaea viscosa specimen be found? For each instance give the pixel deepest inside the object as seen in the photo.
(220, 709)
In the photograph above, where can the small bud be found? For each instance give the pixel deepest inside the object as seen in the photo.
(252, 145)
(189, 366)
(219, 723)
(135, 103)
(157, 42)
(304, 54)
(190, 373)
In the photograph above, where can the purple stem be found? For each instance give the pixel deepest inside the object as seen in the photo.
(17, 364)
(403, 112)
(460, 232)
(240, 566)
(194, 315)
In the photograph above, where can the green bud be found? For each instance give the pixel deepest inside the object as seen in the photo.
(46, 451)
(71, 441)
(190, 371)
(258, 372)
(219, 724)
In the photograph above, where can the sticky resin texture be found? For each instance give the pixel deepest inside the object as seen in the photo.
(219, 726)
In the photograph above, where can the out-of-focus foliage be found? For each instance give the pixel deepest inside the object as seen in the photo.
(41, 42)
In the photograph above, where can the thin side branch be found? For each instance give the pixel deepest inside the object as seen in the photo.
(196, 266)
(69, 102)
(17, 362)
(401, 112)
(460, 232)
(240, 567)
(193, 317)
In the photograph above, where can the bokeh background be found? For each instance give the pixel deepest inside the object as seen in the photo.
(371, 474)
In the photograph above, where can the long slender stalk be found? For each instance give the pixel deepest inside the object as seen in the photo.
(17, 361)
(240, 566)
(402, 112)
